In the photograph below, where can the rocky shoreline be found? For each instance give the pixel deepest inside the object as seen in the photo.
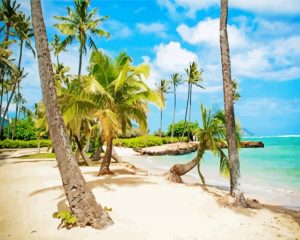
(185, 148)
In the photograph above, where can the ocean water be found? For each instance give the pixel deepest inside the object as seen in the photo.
(271, 174)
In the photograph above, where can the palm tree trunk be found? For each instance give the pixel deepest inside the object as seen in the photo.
(97, 154)
(104, 169)
(234, 163)
(172, 134)
(190, 110)
(186, 111)
(80, 60)
(57, 60)
(161, 117)
(85, 158)
(81, 199)
(175, 172)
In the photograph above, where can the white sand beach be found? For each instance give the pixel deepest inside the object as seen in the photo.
(144, 206)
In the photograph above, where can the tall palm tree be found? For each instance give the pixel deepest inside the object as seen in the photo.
(80, 24)
(127, 96)
(163, 88)
(228, 88)
(8, 14)
(176, 80)
(56, 47)
(81, 199)
(211, 136)
(194, 79)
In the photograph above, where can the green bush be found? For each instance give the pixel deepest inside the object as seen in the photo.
(179, 128)
(144, 141)
(25, 130)
(7, 143)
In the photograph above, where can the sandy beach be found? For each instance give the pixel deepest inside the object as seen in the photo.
(144, 206)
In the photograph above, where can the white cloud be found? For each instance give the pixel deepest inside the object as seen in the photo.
(172, 57)
(152, 28)
(191, 7)
(207, 31)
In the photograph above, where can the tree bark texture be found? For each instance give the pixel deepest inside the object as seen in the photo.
(234, 163)
(81, 199)
(104, 168)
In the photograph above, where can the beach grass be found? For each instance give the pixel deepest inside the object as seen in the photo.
(39, 156)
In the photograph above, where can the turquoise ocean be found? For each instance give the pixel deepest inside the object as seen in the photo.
(270, 174)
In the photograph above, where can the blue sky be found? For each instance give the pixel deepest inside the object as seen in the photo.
(264, 39)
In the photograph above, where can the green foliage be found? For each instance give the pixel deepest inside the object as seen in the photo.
(67, 219)
(7, 143)
(107, 209)
(25, 130)
(144, 141)
(179, 128)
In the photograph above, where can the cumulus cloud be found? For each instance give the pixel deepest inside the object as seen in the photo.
(207, 31)
(191, 7)
(155, 28)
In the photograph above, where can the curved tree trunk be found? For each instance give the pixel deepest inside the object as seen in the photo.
(104, 169)
(234, 163)
(175, 173)
(80, 60)
(81, 199)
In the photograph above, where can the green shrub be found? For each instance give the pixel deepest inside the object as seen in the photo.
(145, 141)
(179, 128)
(7, 143)
(67, 219)
(25, 130)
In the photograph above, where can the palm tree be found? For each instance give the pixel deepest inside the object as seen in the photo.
(211, 136)
(127, 95)
(8, 14)
(194, 78)
(81, 199)
(228, 87)
(163, 88)
(80, 24)
(176, 80)
(56, 47)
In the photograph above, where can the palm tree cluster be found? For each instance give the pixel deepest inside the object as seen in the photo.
(17, 29)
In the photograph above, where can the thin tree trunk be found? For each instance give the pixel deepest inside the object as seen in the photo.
(18, 90)
(97, 154)
(81, 199)
(190, 110)
(57, 60)
(80, 60)
(172, 134)
(161, 117)
(82, 152)
(104, 169)
(234, 163)
(177, 170)
(186, 111)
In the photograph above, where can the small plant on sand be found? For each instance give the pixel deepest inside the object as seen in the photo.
(67, 219)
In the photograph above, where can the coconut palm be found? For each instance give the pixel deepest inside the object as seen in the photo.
(176, 80)
(211, 136)
(80, 24)
(163, 88)
(228, 87)
(194, 79)
(81, 200)
(56, 47)
(127, 97)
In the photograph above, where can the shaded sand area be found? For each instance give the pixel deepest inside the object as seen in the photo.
(144, 206)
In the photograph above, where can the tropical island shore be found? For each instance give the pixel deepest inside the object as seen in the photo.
(144, 206)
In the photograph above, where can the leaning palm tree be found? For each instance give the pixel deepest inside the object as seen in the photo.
(228, 87)
(163, 88)
(81, 199)
(80, 24)
(194, 79)
(176, 80)
(56, 47)
(211, 136)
